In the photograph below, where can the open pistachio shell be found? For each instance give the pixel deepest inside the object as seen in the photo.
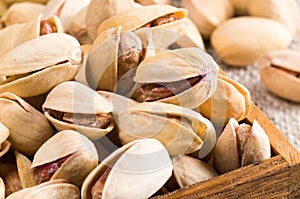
(26, 174)
(129, 171)
(188, 170)
(179, 129)
(75, 98)
(2, 189)
(78, 151)
(45, 61)
(22, 12)
(231, 99)
(14, 111)
(138, 17)
(4, 144)
(100, 10)
(279, 72)
(179, 65)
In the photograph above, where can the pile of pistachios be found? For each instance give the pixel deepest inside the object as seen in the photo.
(119, 99)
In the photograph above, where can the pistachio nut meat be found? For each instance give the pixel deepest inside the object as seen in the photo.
(240, 145)
(4, 143)
(179, 129)
(32, 128)
(230, 100)
(74, 106)
(280, 73)
(136, 170)
(45, 61)
(58, 189)
(67, 155)
(10, 177)
(185, 77)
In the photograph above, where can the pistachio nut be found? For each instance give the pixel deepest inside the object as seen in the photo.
(208, 14)
(150, 2)
(100, 10)
(67, 155)
(10, 177)
(188, 170)
(32, 130)
(230, 100)
(185, 77)
(74, 106)
(4, 143)
(240, 7)
(22, 12)
(280, 72)
(240, 145)
(284, 11)
(179, 129)
(2, 189)
(58, 189)
(122, 174)
(235, 40)
(17, 34)
(45, 61)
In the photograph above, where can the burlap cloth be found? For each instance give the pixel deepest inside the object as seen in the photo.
(284, 114)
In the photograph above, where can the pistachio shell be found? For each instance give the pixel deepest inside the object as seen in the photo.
(247, 32)
(9, 2)
(2, 189)
(137, 17)
(129, 171)
(150, 2)
(22, 12)
(100, 10)
(284, 11)
(231, 99)
(5, 146)
(10, 176)
(279, 72)
(6, 35)
(208, 14)
(4, 133)
(157, 120)
(240, 7)
(15, 110)
(188, 170)
(26, 174)
(3, 9)
(83, 160)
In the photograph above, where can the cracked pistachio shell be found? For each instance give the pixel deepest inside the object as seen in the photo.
(284, 11)
(76, 98)
(26, 174)
(45, 61)
(58, 189)
(22, 12)
(188, 170)
(230, 100)
(235, 40)
(179, 129)
(100, 10)
(279, 72)
(4, 143)
(181, 64)
(137, 17)
(240, 145)
(15, 110)
(129, 170)
(2, 189)
(208, 14)
(83, 159)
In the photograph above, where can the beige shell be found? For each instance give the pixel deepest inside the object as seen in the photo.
(14, 111)
(129, 171)
(45, 61)
(150, 2)
(284, 11)
(22, 12)
(181, 130)
(279, 72)
(15, 34)
(100, 10)
(10, 177)
(180, 64)
(247, 32)
(2, 189)
(26, 174)
(10, 2)
(3, 9)
(188, 170)
(240, 145)
(240, 7)
(208, 14)
(83, 156)
(4, 143)
(231, 99)
(58, 189)
(76, 98)
(137, 17)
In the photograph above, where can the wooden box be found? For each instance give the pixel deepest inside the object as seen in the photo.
(277, 177)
